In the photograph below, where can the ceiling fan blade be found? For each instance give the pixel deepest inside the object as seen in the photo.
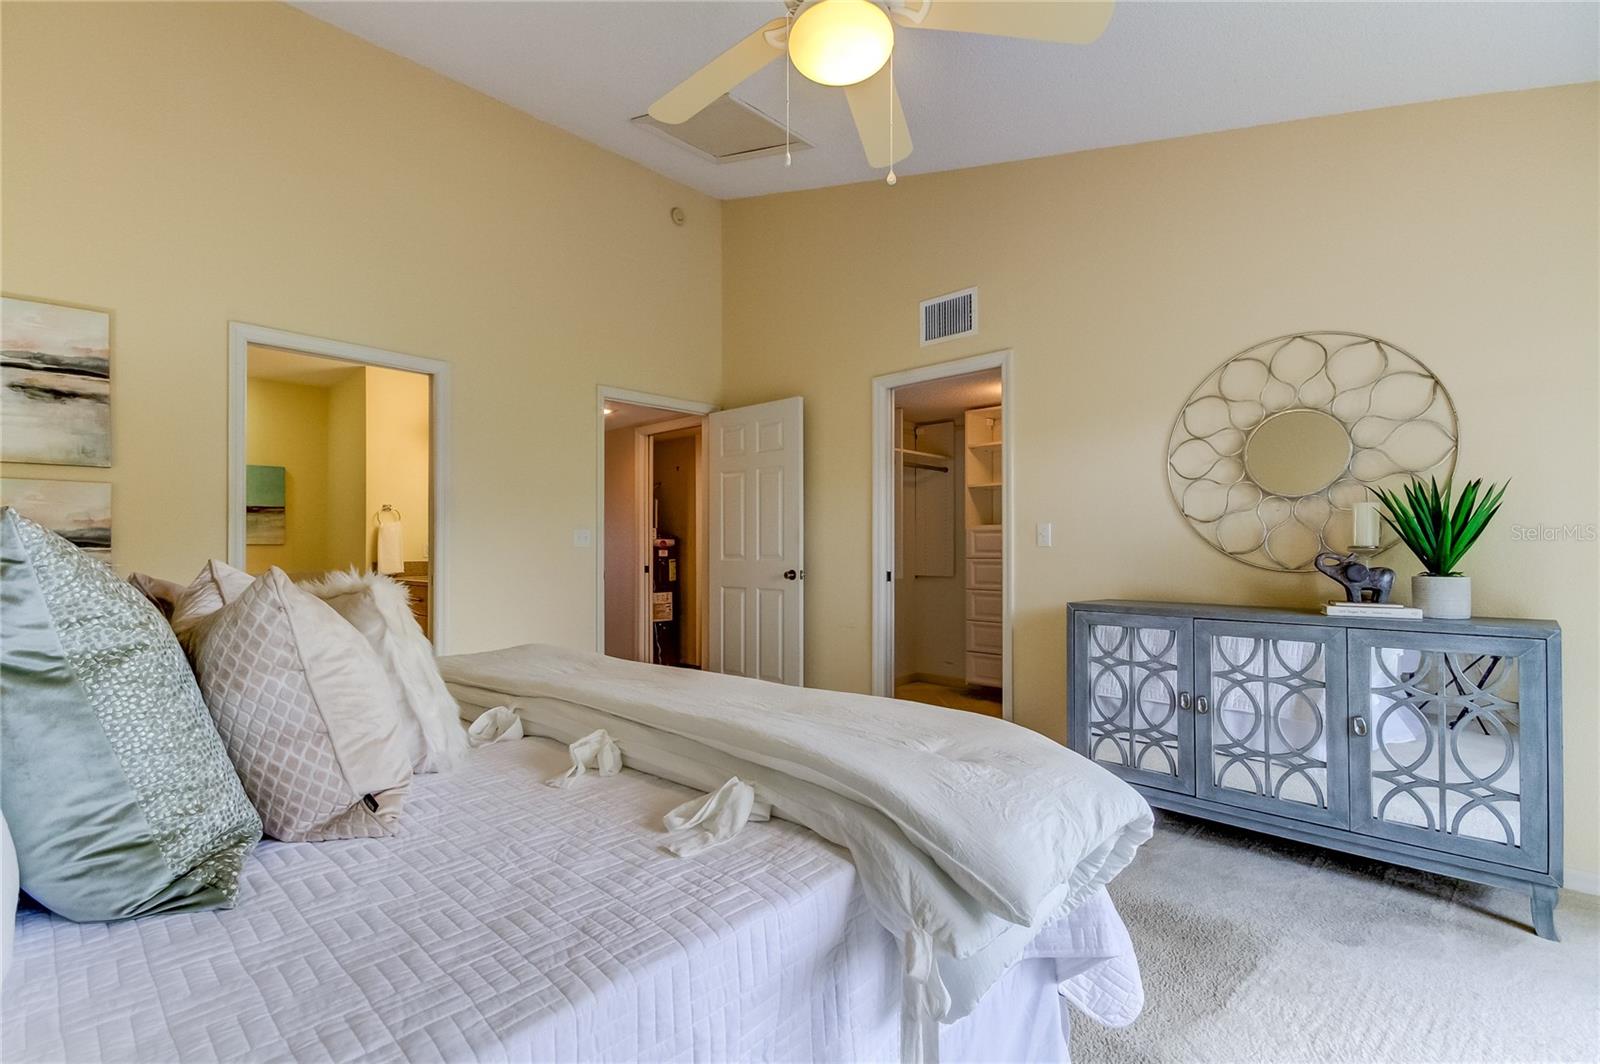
(871, 102)
(1064, 21)
(718, 76)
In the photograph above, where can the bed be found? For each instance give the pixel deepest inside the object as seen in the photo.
(514, 921)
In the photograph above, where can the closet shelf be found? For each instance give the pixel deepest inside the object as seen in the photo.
(991, 446)
(990, 484)
(924, 459)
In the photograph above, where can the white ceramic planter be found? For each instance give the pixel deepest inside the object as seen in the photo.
(1445, 598)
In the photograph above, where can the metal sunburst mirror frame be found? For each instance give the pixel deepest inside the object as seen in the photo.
(1400, 421)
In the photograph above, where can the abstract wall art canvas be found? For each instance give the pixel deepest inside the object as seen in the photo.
(264, 508)
(55, 384)
(78, 511)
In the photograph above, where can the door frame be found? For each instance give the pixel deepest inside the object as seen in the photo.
(883, 516)
(645, 470)
(240, 336)
(689, 407)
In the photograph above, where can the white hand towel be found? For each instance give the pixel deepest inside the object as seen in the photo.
(391, 548)
(718, 817)
(598, 751)
(496, 725)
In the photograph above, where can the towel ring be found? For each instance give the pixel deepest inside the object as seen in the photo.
(377, 518)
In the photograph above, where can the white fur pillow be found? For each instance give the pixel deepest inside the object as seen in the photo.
(380, 609)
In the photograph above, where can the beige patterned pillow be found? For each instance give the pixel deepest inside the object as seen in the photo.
(302, 705)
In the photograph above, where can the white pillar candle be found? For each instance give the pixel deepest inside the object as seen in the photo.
(1366, 526)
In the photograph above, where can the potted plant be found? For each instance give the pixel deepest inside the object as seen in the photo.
(1440, 533)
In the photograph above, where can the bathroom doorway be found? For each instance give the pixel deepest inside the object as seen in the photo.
(335, 463)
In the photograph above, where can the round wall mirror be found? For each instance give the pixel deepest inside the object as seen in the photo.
(1297, 452)
(1273, 449)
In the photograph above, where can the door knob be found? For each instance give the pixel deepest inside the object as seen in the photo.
(1201, 705)
(1358, 725)
(790, 574)
(1184, 701)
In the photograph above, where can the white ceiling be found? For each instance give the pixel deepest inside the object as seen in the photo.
(1160, 70)
(947, 397)
(631, 415)
(297, 367)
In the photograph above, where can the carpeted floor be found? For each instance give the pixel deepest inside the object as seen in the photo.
(1258, 950)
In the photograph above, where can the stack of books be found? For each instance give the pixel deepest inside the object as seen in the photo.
(1372, 609)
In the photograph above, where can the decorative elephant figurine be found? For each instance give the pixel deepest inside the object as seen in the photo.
(1361, 583)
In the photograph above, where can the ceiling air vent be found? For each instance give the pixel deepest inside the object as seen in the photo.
(726, 132)
(946, 317)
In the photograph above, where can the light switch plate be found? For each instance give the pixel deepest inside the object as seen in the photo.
(582, 537)
(1042, 534)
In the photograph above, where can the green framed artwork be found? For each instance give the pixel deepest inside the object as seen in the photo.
(264, 505)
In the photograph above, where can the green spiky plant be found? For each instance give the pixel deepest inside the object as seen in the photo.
(1438, 532)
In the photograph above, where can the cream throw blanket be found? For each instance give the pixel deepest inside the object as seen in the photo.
(969, 833)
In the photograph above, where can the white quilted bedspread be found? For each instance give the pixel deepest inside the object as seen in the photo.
(513, 921)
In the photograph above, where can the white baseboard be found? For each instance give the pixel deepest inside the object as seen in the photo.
(1582, 882)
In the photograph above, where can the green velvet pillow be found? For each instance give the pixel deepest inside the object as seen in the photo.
(119, 795)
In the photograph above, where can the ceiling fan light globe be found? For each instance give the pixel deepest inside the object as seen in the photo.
(841, 42)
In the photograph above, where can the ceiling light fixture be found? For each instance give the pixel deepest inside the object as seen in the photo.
(841, 42)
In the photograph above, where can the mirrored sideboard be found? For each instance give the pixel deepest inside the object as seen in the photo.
(1430, 744)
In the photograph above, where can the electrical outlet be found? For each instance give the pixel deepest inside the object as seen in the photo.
(582, 537)
(1042, 534)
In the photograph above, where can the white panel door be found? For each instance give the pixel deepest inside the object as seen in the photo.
(757, 567)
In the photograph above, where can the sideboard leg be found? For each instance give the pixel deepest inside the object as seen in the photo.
(1544, 912)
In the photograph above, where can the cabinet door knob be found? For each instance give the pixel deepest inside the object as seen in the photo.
(1358, 725)
(1201, 705)
(1184, 701)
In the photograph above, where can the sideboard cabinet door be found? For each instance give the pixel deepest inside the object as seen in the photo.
(1128, 673)
(1272, 734)
(1448, 743)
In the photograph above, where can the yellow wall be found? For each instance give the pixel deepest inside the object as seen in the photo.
(288, 426)
(348, 517)
(187, 165)
(1464, 231)
(398, 425)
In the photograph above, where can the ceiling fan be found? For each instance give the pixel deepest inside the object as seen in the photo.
(849, 44)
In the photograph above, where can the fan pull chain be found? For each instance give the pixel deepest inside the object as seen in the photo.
(891, 179)
(788, 65)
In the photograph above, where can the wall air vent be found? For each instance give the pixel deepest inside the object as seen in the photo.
(946, 317)
(725, 132)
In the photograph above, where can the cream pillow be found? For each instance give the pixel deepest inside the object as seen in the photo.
(380, 610)
(163, 594)
(304, 710)
(217, 584)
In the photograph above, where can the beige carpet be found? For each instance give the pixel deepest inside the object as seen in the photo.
(1258, 950)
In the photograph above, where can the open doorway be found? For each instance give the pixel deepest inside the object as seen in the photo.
(729, 593)
(941, 631)
(335, 462)
(654, 536)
